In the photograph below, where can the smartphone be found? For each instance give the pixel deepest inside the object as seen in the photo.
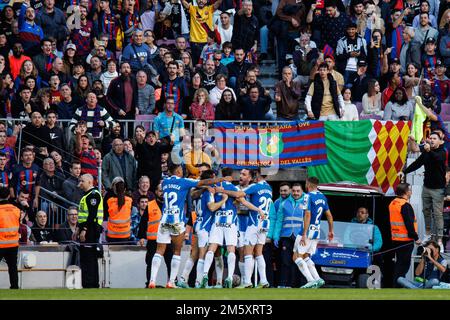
(320, 4)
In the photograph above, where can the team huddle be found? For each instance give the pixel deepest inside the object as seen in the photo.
(230, 216)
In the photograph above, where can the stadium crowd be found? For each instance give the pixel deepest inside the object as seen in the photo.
(77, 75)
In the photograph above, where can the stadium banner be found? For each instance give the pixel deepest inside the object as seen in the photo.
(341, 257)
(291, 144)
(367, 152)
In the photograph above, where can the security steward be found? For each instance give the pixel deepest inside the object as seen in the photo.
(90, 218)
(9, 236)
(148, 230)
(119, 213)
(403, 229)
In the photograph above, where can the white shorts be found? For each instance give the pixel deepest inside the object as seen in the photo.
(223, 235)
(253, 237)
(310, 247)
(240, 239)
(202, 238)
(165, 233)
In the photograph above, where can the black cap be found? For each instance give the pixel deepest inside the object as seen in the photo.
(362, 63)
(395, 60)
(439, 63)
(430, 40)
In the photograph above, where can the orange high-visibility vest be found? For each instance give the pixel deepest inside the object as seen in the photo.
(398, 228)
(119, 222)
(9, 226)
(154, 217)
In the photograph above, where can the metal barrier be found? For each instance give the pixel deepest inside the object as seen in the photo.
(55, 208)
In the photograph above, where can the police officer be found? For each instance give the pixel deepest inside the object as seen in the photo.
(403, 229)
(9, 236)
(90, 218)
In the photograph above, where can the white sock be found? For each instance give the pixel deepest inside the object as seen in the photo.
(231, 261)
(187, 270)
(219, 269)
(208, 261)
(302, 266)
(312, 268)
(249, 265)
(174, 266)
(156, 262)
(261, 269)
(200, 266)
(242, 271)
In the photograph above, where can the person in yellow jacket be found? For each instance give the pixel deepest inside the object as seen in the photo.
(403, 229)
(9, 236)
(119, 213)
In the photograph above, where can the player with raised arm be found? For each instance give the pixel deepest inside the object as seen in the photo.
(306, 243)
(172, 226)
(224, 229)
(260, 193)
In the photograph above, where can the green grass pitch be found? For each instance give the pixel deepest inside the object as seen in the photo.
(225, 294)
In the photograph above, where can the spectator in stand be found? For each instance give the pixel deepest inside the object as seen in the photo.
(22, 106)
(17, 59)
(67, 231)
(349, 49)
(287, 96)
(84, 152)
(201, 22)
(359, 84)
(216, 93)
(208, 74)
(56, 133)
(146, 94)
(82, 89)
(109, 74)
(331, 26)
(58, 69)
(251, 80)
(148, 155)
(5, 172)
(371, 101)
(195, 157)
(122, 96)
(143, 190)
(51, 183)
(201, 108)
(37, 135)
(254, 106)
(26, 70)
(44, 60)
(394, 81)
(138, 54)
(225, 28)
(411, 81)
(429, 58)
(9, 154)
(71, 190)
(220, 67)
(176, 87)
(350, 113)
(53, 22)
(96, 69)
(324, 100)
(246, 29)
(60, 165)
(114, 133)
(30, 33)
(227, 108)
(95, 116)
(209, 48)
(66, 108)
(399, 107)
(118, 163)
(41, 232)
(237, 70)
(424, 30)
(81, 37)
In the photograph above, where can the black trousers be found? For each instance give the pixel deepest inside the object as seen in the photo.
(290, 276)
(89, 267)
(151, 250)
(10, 255)
(403, 259)
(268, 252)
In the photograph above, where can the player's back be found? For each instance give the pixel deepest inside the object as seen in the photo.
(260, 196)
(318, 204)
(175, 190)
(204, 215)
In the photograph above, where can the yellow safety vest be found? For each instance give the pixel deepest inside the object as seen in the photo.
(83, 211)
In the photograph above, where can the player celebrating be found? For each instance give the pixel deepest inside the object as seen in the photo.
(171, 227)
(205, 206)
(260, 194)
(224, 229)
(245, 178)
(306, 244)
